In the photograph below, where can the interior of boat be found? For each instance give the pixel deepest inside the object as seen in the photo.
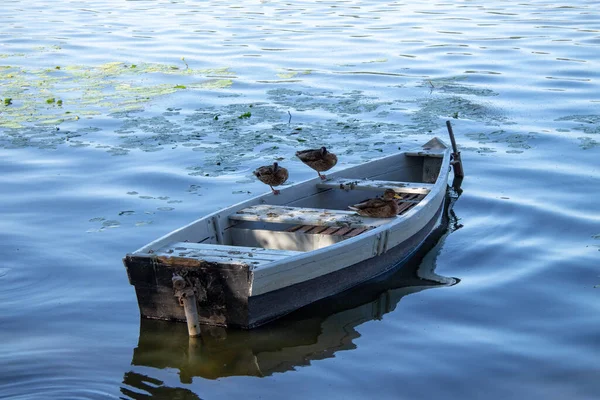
(305, 218)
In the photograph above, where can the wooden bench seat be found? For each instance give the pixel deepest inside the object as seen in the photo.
(327, 230)
(253, 256)
(407, 202)
(307, 216)
(367, 184)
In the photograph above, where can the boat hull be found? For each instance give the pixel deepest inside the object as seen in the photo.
(223, 290)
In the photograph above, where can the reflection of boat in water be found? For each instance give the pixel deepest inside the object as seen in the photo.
(315, 332)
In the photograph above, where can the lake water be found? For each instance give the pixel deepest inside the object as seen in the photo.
(123, 120)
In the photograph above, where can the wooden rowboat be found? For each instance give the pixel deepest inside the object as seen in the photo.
(255, 261)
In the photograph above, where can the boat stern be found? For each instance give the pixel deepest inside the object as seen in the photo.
(221, 289)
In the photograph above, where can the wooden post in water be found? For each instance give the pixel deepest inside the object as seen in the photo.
(456, 161)
(187, 297)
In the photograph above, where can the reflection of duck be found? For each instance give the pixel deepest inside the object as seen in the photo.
(385, 207)
(318, 159)
(272, 175)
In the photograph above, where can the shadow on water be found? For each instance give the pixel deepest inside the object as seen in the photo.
(314, 332)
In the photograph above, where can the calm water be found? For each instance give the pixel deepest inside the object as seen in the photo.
(123, 120)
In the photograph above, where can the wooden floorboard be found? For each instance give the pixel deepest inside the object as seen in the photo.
(405, 206)
(408, 201)
(330, 230)
(342, 231)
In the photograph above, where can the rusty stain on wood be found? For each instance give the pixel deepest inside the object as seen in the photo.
(180, 261)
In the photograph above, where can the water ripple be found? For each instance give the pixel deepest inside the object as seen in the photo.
(148, 136)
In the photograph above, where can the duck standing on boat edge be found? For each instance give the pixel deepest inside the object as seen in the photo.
(272, 175)
(318, 159)
(385, 207)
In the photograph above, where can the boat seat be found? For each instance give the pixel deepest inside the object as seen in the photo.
(367, 184)
(217, 253)
(406, 203)
(345, 232)
(307, 216)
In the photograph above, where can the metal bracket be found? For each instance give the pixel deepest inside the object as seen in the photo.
(187, 298)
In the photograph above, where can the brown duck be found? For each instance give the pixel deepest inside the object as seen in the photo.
(272, 175)
(385, 207)
(318, 159)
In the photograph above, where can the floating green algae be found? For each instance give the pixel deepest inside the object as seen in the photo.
(457, 85)
(587, 143)
(228, 135)
(589, 124)
(449, 106)
(354, 102)
(214, 84)
(110, 87)
(292, 73)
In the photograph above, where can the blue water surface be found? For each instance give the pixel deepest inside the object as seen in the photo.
(123, 120)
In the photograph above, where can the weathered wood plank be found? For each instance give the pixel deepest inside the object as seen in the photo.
(356, 232)
(222, 252)
(307, 216)
(342, 231)
(319, 229)
(347, 232)
(406, 204)
(330, 230)
(192, 259)
(365, 184)
(306, 229)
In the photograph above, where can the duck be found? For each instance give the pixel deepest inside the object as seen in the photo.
(318, 159)
(272, 175)
(385, 207)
